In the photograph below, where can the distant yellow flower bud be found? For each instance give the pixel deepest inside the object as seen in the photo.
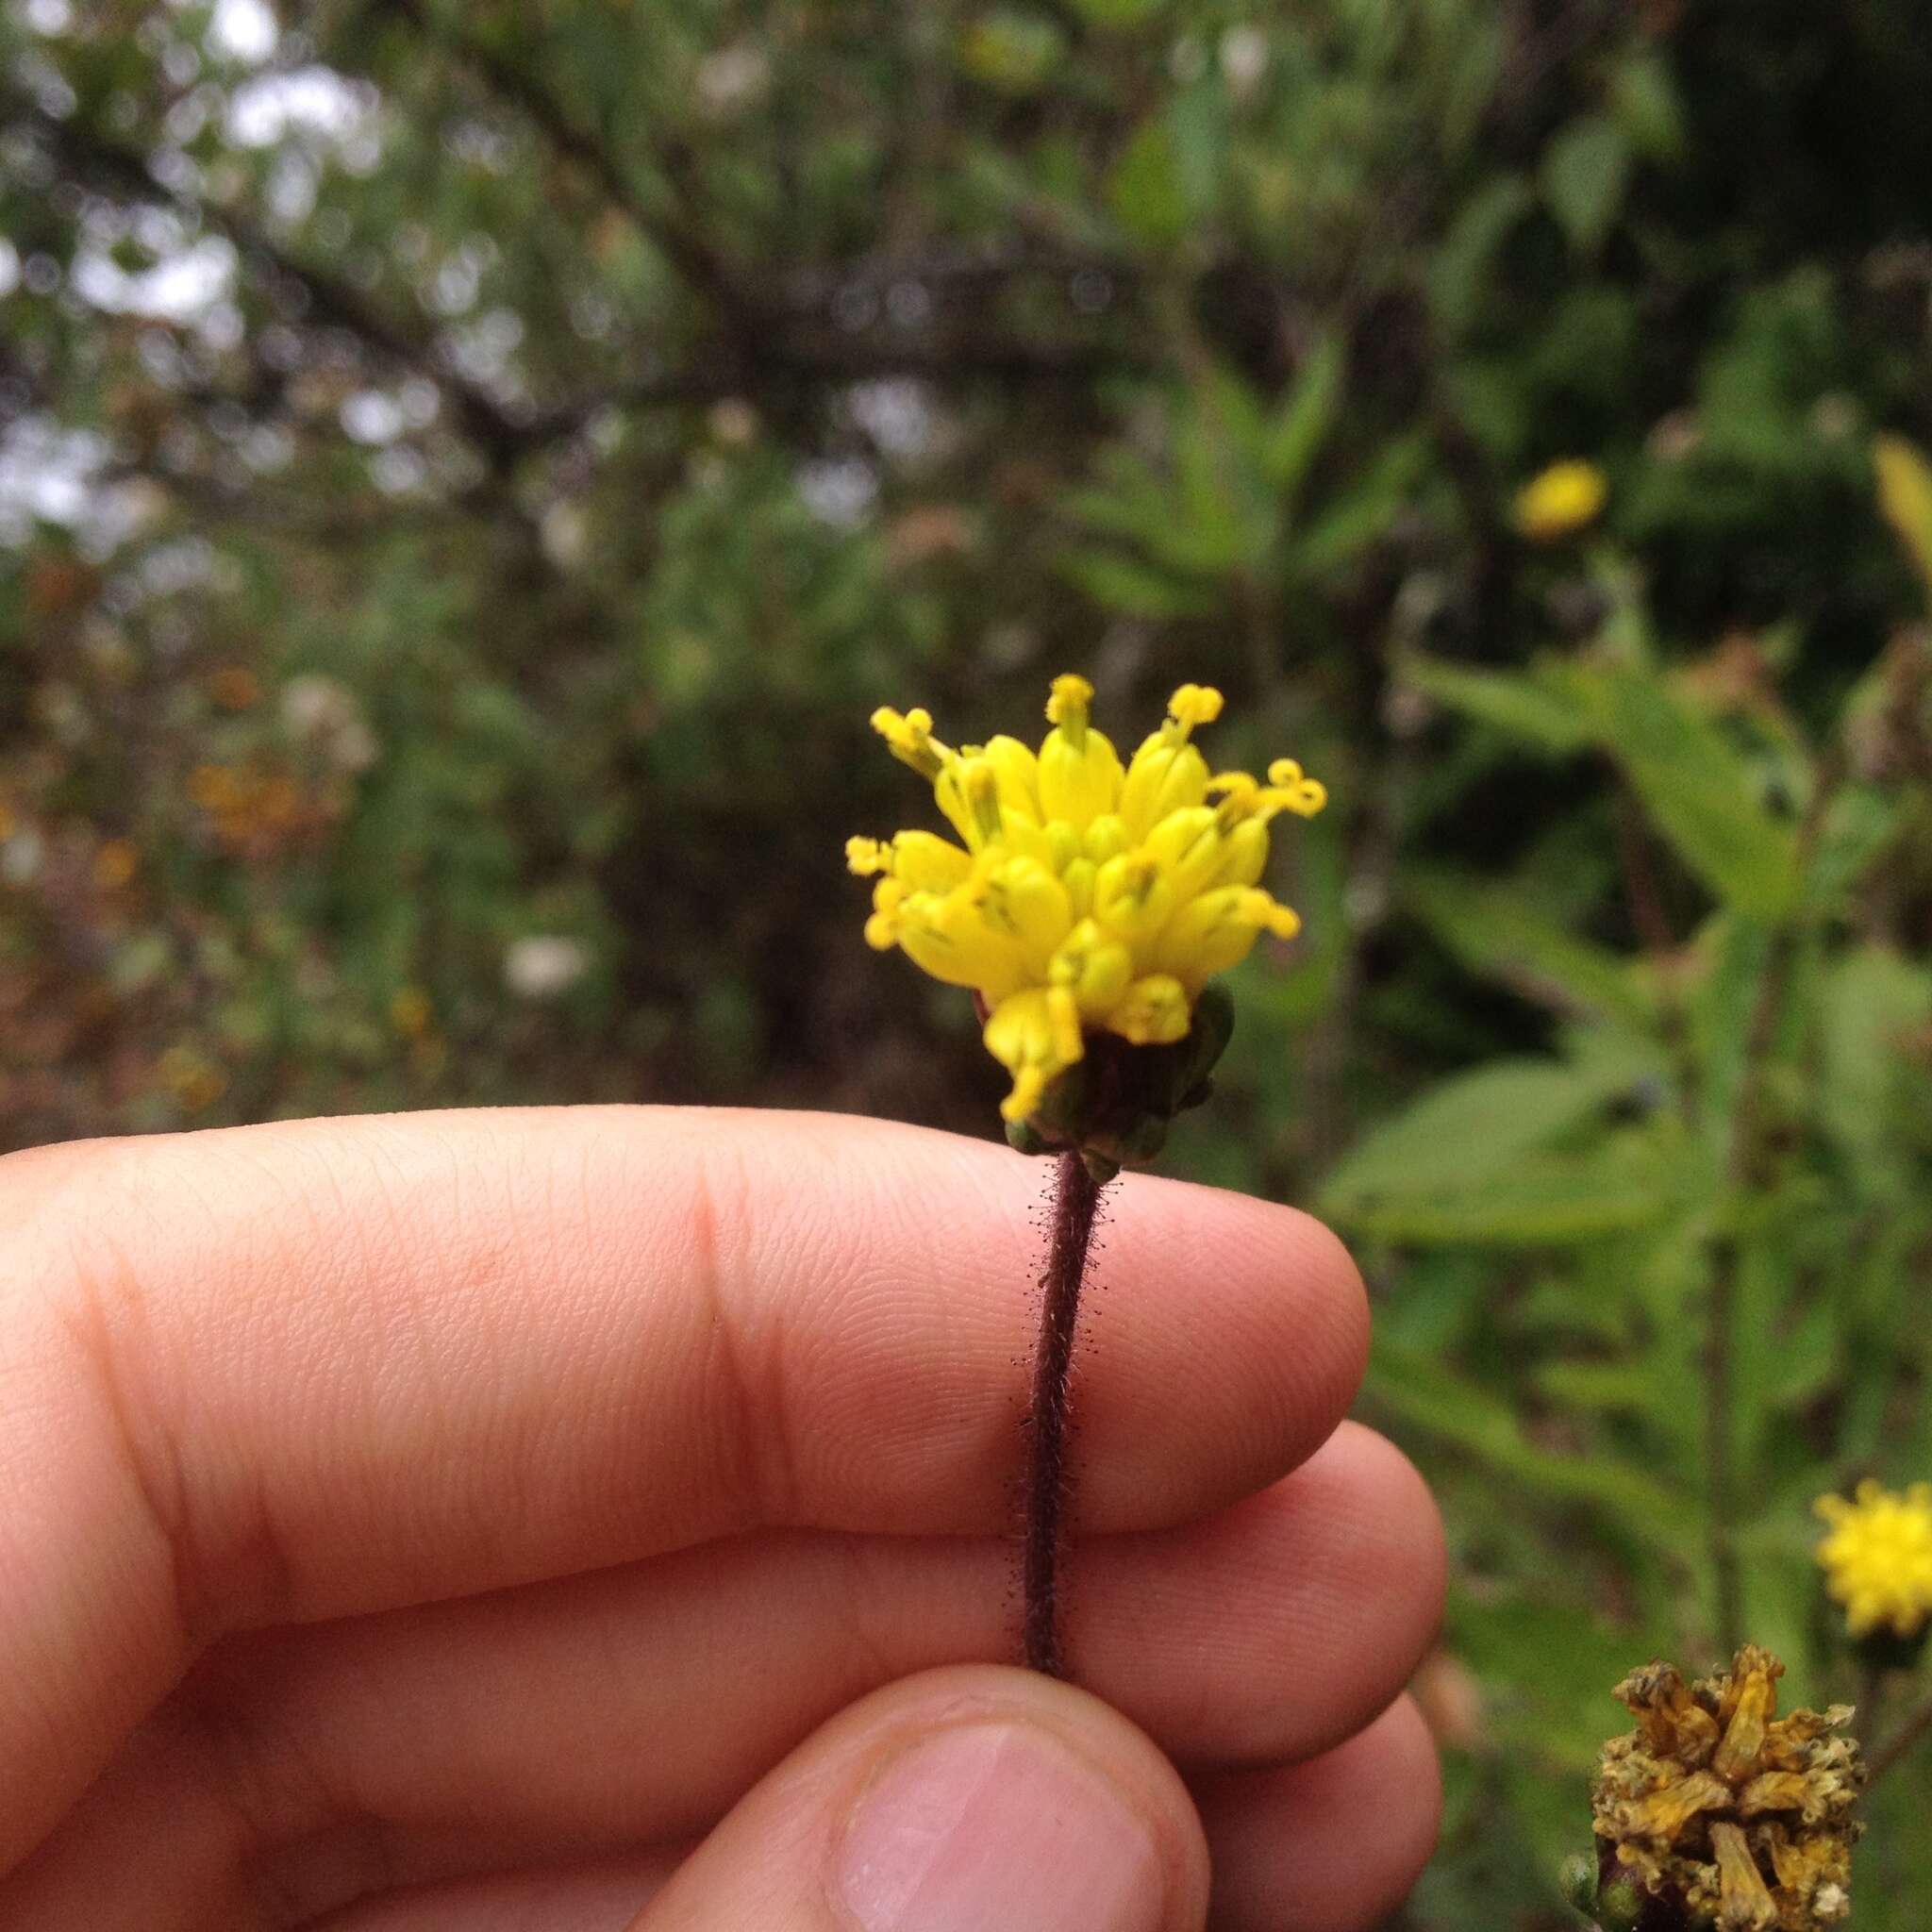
(1561, 500)
(1877, 1559)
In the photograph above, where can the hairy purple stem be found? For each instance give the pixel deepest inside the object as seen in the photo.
(1076, 1196)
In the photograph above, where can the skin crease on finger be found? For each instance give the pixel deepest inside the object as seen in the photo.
(1288, 1851)
(508, 1726)
(452, 1204)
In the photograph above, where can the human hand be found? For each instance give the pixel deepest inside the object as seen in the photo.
(600, 1518)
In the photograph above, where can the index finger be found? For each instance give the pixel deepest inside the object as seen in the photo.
(287, 1373)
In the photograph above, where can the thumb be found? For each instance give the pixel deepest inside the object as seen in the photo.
(969, 1799)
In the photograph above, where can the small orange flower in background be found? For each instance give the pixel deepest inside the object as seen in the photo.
(409, 1012)
(1559, 501)
(191, 1080)
(251, 809)
(115, 864)
(235, 688)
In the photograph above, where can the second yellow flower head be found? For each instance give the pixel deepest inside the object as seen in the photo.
(1085, 895)
(1877, 1558)
(1559, 501)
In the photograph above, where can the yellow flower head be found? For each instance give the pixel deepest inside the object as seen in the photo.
(1877, 1558)
(1719, 1813)
(1559, 501)
(1084, 896)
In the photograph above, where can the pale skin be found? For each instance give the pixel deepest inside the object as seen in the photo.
(601, 1518)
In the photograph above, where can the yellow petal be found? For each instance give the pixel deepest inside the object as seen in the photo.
(1746, 1903)
(1079, 784)
(1018, 772)
(1153, 1012)
(1130, 897)
(949, 939)
(1036, 1036)
(1024, 901)
(1164, 777)
(927, 863)
(1093, 968)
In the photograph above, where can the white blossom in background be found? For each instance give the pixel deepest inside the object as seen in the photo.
(242, 31)
(896, 411)
(370, 416)
(1243, 60)
(565, 533)
(732, 79)
(322, 714)
(839, 490)
(545, 965)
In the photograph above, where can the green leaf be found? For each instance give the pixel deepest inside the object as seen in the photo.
(1428, 1396)
(1546, 1200)
(1460, 273)
(1861, 823)
(1014, 52)
(1118, 13)
(1498, 931)
(1198, 116)
(1537, 708)
(1133, 589)
(1355, 520)
(1700, 793)
(1872, 1001)
(1905, 494)
(1644, 97)
(1474, 1161)
(1625, 1385)
(1305, 418)
(1146, 192)
(1547, 1652)
(1469, 1129)
(1584, 173)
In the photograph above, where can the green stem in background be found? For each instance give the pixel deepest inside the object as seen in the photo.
(1076, 1197)
(1719, 1321)
(1643, 896)
(1747, 1174)
(1913, 1732)
(1870, 1695)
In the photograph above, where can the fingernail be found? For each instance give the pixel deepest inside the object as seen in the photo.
(998, 1825)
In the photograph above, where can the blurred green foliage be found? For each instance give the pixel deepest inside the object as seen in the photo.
(468, 471)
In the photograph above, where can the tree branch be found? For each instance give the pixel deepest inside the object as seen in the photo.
(796, 333)
(1912, 1732)
(681, 240)
(88, 157)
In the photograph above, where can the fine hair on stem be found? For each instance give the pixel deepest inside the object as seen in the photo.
(1075, 1202)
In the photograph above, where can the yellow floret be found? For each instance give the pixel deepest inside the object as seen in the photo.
(1084, 896)
(1877, 1559)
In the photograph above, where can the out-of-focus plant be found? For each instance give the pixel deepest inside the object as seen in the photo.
(1214, 521)
(1660, 1275)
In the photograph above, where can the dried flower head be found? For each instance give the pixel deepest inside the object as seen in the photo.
(1877, 1559)
(1716, 1811)
(1086, 897)
(1561, 500)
